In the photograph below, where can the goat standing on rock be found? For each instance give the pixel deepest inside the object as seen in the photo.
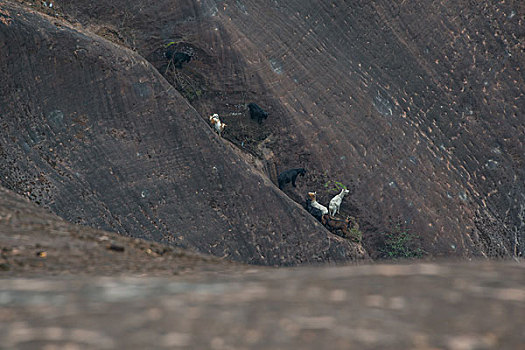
(316, 213)
(336, 224)
(322, 208)
(217, 124)
(289, 175)
(335, 203)
(257, 112)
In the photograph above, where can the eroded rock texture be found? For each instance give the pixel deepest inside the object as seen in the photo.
(417, 106)
(91, 130)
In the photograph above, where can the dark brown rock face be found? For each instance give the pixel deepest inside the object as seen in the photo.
(91, 130)
(35, 242)
(416, 106)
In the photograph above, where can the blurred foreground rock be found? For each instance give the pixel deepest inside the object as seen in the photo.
(421, 306)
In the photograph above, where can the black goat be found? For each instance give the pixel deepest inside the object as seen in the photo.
(289, 176)
(178, 58)
(257, 112)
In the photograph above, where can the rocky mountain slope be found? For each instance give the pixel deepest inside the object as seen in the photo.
(35, 242)
(91, 130)
(416, 106)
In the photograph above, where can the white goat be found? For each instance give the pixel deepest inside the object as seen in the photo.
(335, 203)
(217, 124)
(314, 203)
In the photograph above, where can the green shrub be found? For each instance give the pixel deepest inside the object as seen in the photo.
(401, 243)
(356, 235)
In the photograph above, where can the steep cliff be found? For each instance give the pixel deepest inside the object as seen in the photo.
(416, 106)
(91, 130)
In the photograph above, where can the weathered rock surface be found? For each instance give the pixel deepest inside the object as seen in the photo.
(92, 131)
(417, 106)
(35, 242)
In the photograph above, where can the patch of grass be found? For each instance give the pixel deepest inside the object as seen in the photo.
(401, 243)
(191, 94)
(334, 186)
(356, 235)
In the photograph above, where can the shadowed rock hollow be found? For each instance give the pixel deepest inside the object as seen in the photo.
(416, 106)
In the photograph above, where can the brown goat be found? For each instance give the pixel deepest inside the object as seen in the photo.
(337, 224)
(217, 124)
